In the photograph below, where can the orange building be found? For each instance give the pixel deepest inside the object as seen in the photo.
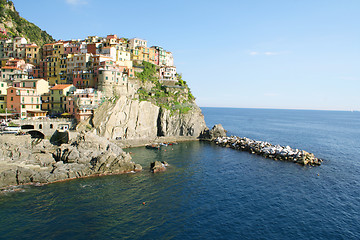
(23, 100)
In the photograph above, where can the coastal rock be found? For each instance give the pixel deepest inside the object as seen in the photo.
(189, 124)
(265, 149)
(134, 119)
(126, 119)
(158, 166)
(217, 131)
(22, 161)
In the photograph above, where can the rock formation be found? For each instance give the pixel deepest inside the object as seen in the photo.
(265, 149)
(23, 160)
(216, 132)
(133, 119)
(158, 166)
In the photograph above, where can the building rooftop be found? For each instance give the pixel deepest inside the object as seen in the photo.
(60, 86)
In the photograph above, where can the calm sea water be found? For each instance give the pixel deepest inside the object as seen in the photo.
(211, 192)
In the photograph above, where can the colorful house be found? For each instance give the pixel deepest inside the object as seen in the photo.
(41, 86)
(32, 53)
(23, 100)
(168, 74)
(161, 55)
(57, 97)
(3, 94)
(78, 62)
(10, 74)
(82, 103)
(137, 42)
(112, 81)
(83, 79)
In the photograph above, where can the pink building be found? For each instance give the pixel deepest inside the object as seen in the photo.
(23, 100)
(82, 103)
(14, 62)
(72, 47)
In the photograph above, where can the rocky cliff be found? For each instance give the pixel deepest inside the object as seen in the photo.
(133, 119)
(151, 109)
(23, 160)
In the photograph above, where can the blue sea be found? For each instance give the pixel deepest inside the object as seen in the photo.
(210, 192)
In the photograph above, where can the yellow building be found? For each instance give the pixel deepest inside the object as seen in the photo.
(3, 93)
(142, 54)
(56, 64)
(153, 56)
(61, 73)
(32, 55)
(58, 94)
(53, 65)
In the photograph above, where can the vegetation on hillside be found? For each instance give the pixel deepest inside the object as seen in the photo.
(176, 98)
(21, 27)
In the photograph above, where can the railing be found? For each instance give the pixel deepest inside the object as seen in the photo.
(22, 121)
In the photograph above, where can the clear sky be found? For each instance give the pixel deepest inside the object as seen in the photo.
(293, 54)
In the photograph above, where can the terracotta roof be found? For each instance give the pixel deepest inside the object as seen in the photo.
(6, 67)
(60, 86)
(31, 45)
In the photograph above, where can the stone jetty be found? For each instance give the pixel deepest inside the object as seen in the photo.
(267, 150)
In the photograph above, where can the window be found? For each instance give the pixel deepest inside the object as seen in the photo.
(12, 99)
(51, 126)
(40, 126)
(22, 106)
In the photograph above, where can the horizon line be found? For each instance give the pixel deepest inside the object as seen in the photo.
(301, 109)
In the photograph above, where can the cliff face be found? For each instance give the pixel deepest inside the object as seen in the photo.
(126, 118)
(190, 124)
(134, 119)
(18, 26)
(149, 109)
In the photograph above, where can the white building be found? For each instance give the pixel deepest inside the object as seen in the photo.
(168, 74)
(169, 59)
(137, 42)
(10, 74)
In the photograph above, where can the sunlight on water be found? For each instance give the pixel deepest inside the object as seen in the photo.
(209, 192)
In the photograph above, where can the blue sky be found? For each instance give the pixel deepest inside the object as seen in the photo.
(292, 54)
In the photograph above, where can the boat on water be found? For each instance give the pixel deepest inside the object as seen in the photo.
(159, 145)
(153, 146)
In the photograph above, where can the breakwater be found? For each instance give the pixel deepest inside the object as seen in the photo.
(267, 150)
